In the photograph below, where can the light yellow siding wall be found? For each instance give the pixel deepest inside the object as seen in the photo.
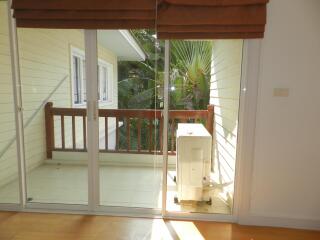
(224, 95)
(8, 159)
(45, 59)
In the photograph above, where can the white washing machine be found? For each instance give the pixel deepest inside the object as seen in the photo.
(193, 164)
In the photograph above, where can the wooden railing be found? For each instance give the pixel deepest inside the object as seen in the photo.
(129, 126)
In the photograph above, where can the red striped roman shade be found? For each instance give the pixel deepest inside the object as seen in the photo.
(173, 19)
(211, 19)
(85, 14)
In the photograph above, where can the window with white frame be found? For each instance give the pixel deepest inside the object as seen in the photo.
(105, 76)
(102, 82)
(78, 78)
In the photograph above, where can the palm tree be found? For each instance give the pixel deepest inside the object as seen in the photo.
(190, 68)
(140, 83)
(190, 74)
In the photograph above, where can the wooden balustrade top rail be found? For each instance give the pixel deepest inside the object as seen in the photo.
(150, 118)
(132, 113)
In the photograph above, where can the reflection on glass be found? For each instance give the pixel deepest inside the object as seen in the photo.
(205, 84)
(129, 160)
(52, 68)
(9, 184)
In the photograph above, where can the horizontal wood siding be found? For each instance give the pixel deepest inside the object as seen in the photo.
(8, 161)
(44, 62)
(224, 95)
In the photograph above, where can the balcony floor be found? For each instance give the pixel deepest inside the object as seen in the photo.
(119, 186)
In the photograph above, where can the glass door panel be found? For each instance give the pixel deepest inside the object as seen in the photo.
(9, 179)
(130, 163)
(204, 87)
(52, 68)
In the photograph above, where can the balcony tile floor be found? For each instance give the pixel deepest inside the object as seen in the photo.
(119, 186)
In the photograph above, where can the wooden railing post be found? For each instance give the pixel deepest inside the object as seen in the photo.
(209, 124)
(49, 123)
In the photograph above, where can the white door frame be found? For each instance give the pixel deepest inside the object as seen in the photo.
(17, 99)
(91, 54)
(247, 125)
(247, 115)
(165, 126)
(245, 143)
(165, 212)
(91, 66)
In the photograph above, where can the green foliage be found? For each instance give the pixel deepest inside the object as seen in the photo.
(140, 84)
(145, 139)
(190, 74)
(137, 87)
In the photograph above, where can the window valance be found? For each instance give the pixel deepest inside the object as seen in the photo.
(172, 19)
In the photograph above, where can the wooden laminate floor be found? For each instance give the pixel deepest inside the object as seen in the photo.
(37, 226)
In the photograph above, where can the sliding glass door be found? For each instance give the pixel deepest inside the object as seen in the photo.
(52, 72)
(92, 118)
(109, 121)
(130, 164)
(203, 104)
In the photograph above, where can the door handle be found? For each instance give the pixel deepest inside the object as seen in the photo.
(92, 110)
(95, 110)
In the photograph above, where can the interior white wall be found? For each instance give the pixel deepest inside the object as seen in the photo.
(286, 160)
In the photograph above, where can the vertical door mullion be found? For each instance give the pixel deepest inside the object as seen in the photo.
(17, 98)
(165, 126)
(91, 66)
